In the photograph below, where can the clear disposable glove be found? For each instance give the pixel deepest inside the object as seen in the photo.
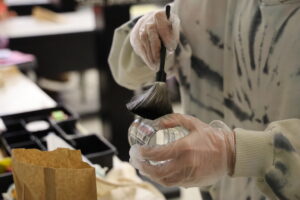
(146, 36)
(198, 159)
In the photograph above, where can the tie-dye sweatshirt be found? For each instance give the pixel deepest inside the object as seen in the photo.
(238, 61)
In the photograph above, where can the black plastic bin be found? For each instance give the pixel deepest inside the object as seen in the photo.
(16, 122)
(6, 180)
(17, 137)
(97, 149)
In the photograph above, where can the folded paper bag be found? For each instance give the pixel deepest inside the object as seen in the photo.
(53, 175)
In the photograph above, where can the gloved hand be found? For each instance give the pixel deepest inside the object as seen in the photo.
(199, 159)
(146, 36)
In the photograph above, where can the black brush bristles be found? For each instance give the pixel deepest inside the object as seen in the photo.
(154, 102)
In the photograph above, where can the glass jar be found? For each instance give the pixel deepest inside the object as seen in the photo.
(146, 132)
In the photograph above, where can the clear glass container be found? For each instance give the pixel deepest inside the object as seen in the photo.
(146, 132)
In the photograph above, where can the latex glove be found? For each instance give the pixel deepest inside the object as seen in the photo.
(199, 159)
(146, 36)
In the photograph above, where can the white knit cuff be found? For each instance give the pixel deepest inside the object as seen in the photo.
(254, 152)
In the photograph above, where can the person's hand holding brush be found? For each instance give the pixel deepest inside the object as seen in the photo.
(148, 33)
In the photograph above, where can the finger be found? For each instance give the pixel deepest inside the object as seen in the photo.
(174, 120)
(164, 27)
(179, 174)
(135, 39)
(137, 43)
(155, 43)
(135, 152)
(164, 152)
(160, 171)
(175, 179)
(185, 176)
(175, 32)
(146, 44)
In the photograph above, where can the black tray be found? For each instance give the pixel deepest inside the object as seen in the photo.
(98, 151)
(96, 148)
(25, 139)
(6, 180)
(17, 122)
(16, 135)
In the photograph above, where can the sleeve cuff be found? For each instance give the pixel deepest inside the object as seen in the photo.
(254, 153)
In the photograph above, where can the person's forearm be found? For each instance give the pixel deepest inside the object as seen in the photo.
(271, 155)
(127, 68)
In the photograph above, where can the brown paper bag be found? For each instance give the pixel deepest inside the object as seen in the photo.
(54, 175)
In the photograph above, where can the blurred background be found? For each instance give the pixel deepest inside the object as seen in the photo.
(70, 41)
(62, 46)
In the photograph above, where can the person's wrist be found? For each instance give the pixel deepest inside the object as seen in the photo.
(229, 140)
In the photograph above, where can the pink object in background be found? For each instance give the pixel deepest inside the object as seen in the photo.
(3, 42)
(8, 58)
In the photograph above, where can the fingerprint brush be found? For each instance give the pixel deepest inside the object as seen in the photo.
(154, 102)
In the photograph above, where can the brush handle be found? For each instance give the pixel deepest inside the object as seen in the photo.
(161, 75)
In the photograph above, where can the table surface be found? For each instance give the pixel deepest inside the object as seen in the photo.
(19, 94)
(82, 20)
